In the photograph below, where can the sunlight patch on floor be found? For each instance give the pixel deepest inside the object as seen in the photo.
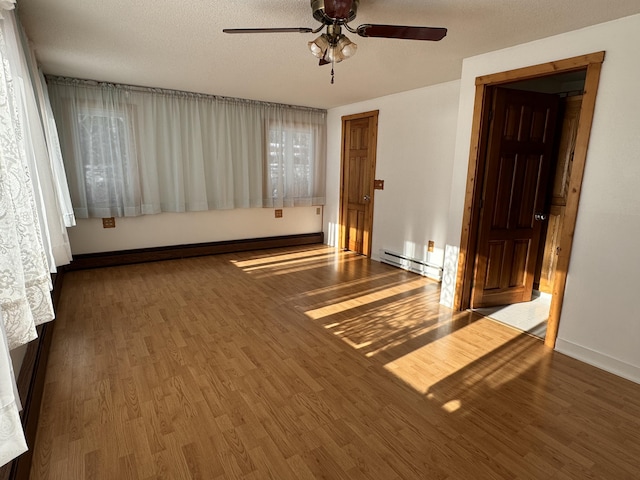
(356, 302)
(278, 260)
(454, 353)
(337, 290)
(452, 405)
(530, 317)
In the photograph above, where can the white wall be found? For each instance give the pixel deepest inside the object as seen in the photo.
(600, 321)
(416, 139)
(195, 227)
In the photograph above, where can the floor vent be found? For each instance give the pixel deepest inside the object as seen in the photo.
(420, 267)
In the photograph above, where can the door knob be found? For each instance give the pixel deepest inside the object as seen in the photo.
(541, 217)
(367, 198)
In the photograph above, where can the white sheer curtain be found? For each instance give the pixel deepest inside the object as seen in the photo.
(58, 175)
(24, 272)
(294, 177)
(12, 441)
(26, 246)
(41, 146)
(132, 151)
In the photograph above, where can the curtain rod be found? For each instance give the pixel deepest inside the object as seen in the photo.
(80, 82)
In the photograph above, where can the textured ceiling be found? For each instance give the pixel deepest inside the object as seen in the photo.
(180, 45)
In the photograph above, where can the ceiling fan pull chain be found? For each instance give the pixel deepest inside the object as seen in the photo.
(332, 75)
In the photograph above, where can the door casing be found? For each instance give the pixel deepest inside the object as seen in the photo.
(592, 63)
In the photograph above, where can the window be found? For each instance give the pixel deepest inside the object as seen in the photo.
(106, 159)
(293, 153)
(109, 167)
(131, 151)
(290, 158)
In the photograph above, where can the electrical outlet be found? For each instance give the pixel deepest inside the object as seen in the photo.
(317, 210)
(431, 246)
(109, 222)
(278, 213)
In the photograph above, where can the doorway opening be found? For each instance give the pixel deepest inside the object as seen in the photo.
(530, 313)
(512, 245)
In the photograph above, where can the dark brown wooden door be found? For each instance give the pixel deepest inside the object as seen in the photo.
(358, 170)
(519, 155)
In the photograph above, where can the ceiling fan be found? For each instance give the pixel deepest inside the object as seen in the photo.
(333, 46)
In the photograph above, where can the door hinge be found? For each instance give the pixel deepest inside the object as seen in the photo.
(490, 115)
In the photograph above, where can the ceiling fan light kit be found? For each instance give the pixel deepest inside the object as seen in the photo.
(332, 46)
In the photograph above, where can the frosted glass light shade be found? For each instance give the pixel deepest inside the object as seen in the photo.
(346, 47)
(319, 46)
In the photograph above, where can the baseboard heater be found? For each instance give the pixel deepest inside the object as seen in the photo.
(420, 267)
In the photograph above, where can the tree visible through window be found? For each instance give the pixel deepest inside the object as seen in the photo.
(110, 175)
(291, 157)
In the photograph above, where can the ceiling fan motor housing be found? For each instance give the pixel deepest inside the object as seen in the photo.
(337, 8)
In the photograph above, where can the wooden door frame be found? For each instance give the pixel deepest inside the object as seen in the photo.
(366, 243)
(592, 63)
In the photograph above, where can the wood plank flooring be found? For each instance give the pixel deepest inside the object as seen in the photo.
(307, 363)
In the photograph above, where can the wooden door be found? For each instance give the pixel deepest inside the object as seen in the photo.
(566, 147)
(518, 164)
(359, 138)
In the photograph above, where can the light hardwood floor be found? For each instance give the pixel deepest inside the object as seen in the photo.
(306, 363)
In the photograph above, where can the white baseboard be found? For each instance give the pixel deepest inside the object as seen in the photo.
(599, 360)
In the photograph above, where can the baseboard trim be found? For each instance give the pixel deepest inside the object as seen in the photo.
(126, 257)
(599, 360)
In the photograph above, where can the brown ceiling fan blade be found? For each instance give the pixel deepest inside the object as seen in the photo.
(268, 30)
(323, 61)
(402, 31)
(339, 9)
